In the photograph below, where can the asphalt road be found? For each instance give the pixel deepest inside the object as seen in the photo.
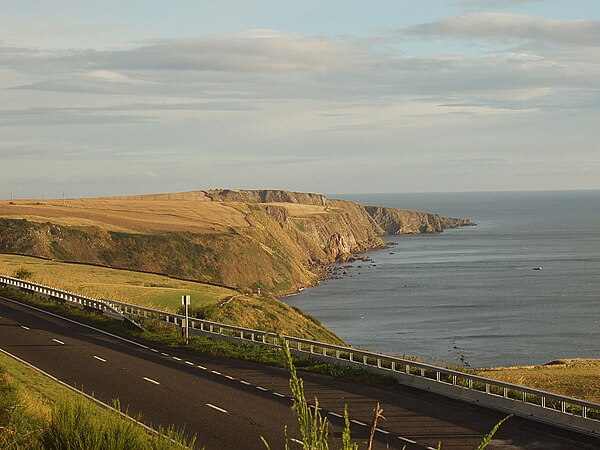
(230, 404)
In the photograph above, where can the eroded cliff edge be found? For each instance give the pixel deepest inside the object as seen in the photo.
(271, 240)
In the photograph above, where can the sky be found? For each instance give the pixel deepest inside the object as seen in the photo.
(119, 97)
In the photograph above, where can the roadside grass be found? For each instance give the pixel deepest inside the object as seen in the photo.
(37, 413)
(160, 292)
(579, 378)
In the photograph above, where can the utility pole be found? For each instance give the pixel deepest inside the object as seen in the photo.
(64, 204)
(185, 327)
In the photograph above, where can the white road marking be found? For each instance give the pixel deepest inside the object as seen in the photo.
(382, 431)
(190, 363)
(358, 422)
(260, 388)
(24, 327)
(410, 441)
(278, 394)
(58, 342)
(99, 359)
(229, 377)
(217, 408)
(245, 382)
(201, 367)
(335, 414)
(164, 354)
(154, 350)
(75, 322)
(215, 372)
(431, 448)
(297, 441)
(150, 380)
(176, 358)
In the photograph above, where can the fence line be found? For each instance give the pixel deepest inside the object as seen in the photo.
(554, 409)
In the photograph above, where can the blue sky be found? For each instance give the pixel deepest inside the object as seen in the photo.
(102, 98)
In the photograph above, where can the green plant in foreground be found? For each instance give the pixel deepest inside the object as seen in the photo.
(314, 428)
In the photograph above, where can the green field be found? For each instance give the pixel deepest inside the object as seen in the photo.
(139, 288)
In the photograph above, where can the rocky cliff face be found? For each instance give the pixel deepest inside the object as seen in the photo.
(401, 221)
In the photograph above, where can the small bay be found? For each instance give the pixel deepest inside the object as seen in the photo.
(471, 296)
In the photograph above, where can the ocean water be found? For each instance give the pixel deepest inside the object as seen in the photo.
(470, 295)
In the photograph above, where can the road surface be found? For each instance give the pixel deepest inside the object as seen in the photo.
(230, 404)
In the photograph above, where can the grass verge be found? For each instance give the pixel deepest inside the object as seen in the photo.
(37, 413)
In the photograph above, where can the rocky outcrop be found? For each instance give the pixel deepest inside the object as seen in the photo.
(401, 221)
(265, 196)
(451, 222)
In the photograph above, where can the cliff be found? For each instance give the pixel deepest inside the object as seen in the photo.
(401, 221)
(270, 240)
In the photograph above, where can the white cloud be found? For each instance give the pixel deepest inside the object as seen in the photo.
(512, 27)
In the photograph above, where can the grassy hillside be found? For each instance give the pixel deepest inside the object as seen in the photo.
(164, 293)
(270, 240)
(579, 378)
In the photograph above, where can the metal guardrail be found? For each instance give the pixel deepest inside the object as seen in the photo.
(558, 410)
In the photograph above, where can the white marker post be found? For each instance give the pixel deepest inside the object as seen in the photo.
(185, 301)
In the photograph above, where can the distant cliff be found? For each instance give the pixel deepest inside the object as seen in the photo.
(271, 240)
(401, 221)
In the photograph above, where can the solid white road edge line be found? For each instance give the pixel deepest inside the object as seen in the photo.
(358, 422)
(150, 380)
(75, 322)
(336, 414)
(410, 441)
(217, 408)
(88, 396)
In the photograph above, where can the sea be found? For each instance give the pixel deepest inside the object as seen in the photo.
(520, 288)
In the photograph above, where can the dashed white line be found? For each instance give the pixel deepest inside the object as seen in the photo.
(189, 363)
(176, 358)
(215, 372)
(297, 441)
(217, 408)
(201, 367)
(382, 431)
(150, 380)
(229, 377)
(410, 441)
(358, 422)
(58, 341)
(24, 327)
(245, 382)
(260, 388)
(99, 359)
(336, 414)
(154, 350)
(164, 354)
(431, 448)
(278, 394)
